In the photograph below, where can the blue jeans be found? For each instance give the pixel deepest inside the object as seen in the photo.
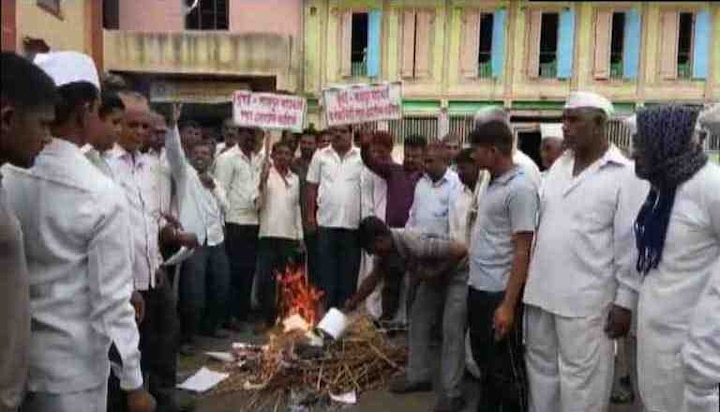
(339, 263)
(204, 283)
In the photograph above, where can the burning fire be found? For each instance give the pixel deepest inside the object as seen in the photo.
(296, 296)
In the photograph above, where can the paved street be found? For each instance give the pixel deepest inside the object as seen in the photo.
(376, 401)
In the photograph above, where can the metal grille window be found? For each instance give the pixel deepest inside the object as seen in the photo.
(407, 126)
(207, 15)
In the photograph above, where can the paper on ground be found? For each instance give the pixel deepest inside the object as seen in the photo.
(203, 380)
(221, 356)
(295, 322)
(178, 257)
(349, 398)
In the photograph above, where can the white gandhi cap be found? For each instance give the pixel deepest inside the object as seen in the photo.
(68, 67)
(551, 130)
(580, 99)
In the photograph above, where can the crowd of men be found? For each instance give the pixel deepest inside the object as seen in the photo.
(126, 233)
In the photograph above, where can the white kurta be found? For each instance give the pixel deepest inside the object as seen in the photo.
(669, 297)
(77, 241)
(373, 202)
(581, 265)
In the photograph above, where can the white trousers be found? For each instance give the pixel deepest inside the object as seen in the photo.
(373, 303)
(90, 400)
(569, 362)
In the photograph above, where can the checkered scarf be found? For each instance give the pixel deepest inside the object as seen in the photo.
(669, 158)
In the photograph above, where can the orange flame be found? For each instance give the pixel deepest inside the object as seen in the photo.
(297, 296)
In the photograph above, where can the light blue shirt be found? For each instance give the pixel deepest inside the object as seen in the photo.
(509, 206)
(430, 211)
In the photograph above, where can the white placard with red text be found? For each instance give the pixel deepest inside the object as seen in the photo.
(362, 103)
(269, 110)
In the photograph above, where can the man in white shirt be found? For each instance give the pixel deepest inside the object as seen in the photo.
(334, 211)
(678, 242)
(489, 113)
(238, 171)
(204, 276)
(229, 135)
(147, 189)
(112, 113)
(373, 199)
(281, 229)
(79, 258)
(27, 98)
(581, 290)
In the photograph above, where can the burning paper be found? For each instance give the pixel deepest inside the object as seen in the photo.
(297, 296)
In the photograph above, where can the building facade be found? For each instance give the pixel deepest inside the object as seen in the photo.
(33, 26)
(201, 51)
(455, 56)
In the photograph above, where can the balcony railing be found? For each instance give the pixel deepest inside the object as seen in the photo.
(548, 70)
(485, 65)
(358, 69)
(684, 70)
(616, 70)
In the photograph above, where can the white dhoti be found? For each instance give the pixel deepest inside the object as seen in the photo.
(569, 362)
(373, 303)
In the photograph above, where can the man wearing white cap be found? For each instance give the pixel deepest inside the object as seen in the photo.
(552, 145)
(490, 113)
(77, 245)
(581, 288)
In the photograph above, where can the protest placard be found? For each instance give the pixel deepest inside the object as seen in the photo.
(362, 103)
(269, 110)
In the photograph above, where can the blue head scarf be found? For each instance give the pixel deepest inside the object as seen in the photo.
(666, 157)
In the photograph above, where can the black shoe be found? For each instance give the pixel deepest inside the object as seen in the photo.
(445, 404)
(401, 385)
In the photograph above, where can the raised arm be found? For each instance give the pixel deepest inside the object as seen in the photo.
(173, 147)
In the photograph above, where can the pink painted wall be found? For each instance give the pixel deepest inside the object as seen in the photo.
(246, 16)
(266, 16)
(151, 15)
